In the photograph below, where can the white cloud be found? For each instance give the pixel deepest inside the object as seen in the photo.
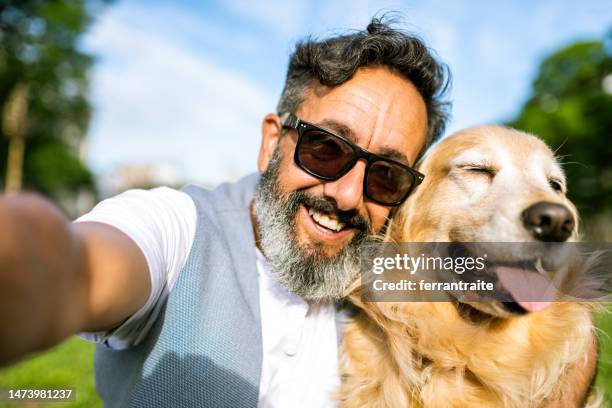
(156, 101)
(285, 17)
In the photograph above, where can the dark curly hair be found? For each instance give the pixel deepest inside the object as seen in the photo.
(335, 60)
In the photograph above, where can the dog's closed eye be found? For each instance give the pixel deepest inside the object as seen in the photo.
(479, 169)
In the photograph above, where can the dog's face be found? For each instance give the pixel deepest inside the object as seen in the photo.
(492, 184)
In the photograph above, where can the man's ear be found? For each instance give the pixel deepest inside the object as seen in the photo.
(270, 136)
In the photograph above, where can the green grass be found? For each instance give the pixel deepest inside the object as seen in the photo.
(71, 365)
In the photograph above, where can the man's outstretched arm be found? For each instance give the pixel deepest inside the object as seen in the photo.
(58, 278)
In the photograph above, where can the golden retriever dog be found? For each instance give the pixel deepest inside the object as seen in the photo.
(486, 184)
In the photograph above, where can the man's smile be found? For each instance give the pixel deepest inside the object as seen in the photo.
(328, 221)
(323, 227)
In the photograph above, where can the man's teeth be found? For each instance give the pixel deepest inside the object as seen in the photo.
(324, 220)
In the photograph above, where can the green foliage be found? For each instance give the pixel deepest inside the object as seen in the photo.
(39, 47)
(571, 109)
(54, 168)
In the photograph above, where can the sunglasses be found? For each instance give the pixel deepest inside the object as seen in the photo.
(328, 156)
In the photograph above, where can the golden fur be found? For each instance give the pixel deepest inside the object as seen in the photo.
(451, 355)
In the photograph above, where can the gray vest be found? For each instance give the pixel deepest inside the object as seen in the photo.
(205, 349)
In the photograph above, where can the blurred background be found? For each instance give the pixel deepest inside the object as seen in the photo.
(100, 96)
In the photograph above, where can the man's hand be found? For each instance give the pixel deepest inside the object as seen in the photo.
(59, 278)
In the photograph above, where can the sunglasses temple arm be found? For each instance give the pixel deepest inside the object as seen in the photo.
(289, 120)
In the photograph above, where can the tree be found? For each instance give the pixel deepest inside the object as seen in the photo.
(571, 109)
(39, 48)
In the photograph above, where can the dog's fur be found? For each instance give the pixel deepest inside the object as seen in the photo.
(449, 354)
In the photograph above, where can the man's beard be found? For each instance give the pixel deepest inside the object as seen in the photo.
(305, 269)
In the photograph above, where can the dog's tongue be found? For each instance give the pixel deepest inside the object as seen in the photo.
(530, 289)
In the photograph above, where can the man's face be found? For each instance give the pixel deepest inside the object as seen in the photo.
(379, 111)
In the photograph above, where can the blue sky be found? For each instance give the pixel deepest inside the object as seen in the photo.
(185, 84)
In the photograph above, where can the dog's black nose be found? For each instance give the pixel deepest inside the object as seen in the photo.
(549, 222)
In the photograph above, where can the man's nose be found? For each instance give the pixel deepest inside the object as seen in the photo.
(348, 189)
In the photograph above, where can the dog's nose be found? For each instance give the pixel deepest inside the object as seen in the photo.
(549, 222)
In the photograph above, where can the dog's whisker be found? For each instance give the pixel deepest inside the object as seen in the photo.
(576, 163)
(560, 146)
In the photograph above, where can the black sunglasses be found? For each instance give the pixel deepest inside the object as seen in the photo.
(328, 156)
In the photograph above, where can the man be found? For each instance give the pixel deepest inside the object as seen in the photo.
(226, 297)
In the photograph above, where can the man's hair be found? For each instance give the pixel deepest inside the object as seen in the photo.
(335, 60)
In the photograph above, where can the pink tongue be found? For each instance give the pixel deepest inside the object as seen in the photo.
(530, 289)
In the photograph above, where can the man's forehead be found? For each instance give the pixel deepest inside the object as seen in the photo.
(376, 109)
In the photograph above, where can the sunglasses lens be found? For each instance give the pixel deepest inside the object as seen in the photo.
(323, 154)
(388, 182)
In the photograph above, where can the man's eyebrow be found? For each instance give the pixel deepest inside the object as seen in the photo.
(338, 128)
(393, 154)
(346, 132)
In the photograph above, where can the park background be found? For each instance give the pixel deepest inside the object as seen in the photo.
(100, 96)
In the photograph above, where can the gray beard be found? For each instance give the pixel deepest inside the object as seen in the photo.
(304, 269)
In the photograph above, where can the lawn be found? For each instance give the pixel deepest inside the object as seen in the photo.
(68, 365)
(604, 375)
(71, 365)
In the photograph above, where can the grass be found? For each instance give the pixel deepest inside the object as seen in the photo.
(71, 365)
